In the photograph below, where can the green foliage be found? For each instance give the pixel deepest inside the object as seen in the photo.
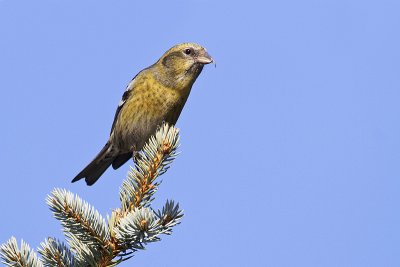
(94, 241)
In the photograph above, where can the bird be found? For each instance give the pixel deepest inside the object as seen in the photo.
(157, 94)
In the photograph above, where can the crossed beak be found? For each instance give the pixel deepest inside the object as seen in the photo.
(204, 58)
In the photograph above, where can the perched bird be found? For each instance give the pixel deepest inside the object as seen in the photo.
(156, 94)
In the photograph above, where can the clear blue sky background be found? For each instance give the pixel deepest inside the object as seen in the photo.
(290, 147)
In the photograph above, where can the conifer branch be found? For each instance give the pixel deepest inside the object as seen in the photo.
(92, 240)
(169, 216)
(15, 257)
(56, 253)
(81, 222)
(154, 160)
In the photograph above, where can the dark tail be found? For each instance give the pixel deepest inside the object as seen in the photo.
(121, 159)
(97, 167)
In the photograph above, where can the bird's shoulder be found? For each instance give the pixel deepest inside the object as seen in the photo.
(144, 81)
(146, 87)
(136, 84)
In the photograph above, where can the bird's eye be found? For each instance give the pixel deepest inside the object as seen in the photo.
(188, 51)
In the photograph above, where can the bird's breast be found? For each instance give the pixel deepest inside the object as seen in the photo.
(150, 105)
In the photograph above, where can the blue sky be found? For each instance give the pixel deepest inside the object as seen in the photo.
(290, 147)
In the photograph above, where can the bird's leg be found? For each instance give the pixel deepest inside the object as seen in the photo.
(135, 158)
(135, 155)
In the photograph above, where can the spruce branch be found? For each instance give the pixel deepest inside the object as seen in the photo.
(136, 195)
(80, 221)
(56, 253)
(84, 255)
(92, 240)
(13, 256)
(137, 228)
(154, 160)
(169, 216)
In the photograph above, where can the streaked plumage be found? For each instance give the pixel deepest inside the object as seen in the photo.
(156, 94)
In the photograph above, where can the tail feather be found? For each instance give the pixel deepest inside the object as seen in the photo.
(121, 159)
(97, 166)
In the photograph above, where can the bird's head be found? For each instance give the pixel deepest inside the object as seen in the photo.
(181, 65)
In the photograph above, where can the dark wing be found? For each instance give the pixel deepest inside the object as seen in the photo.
(125, 96)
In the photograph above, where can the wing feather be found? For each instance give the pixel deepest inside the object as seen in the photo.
(129, 90)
